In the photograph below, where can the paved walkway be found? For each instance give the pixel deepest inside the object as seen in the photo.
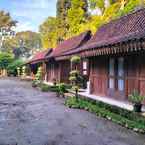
(30, 117)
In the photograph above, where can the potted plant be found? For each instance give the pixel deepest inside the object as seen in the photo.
(54, 81)
(34, 83)
(137, 100)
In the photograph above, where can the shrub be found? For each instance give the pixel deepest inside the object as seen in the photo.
(12, 67)
(75, 60)
(61, 89)
(5, 60)
(35, 83)
(44, 88)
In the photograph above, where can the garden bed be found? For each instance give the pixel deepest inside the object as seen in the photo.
(128, 119)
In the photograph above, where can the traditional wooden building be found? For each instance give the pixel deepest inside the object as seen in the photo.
(116, 56)
(38, 60)
(58, 69)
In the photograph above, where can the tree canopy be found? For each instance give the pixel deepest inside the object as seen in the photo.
(5, 60)
(6, 20)
(23, 44)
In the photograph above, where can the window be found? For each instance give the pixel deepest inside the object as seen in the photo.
(116, 74)
(120, 74)
(111, 67)
(85, 67)
(111, 74)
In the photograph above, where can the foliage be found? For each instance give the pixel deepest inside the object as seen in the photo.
(111, 12)
(120, 116)
(136, 98)
(12, 67)
(24, 71)
(37, 81)
(5, 60)
(23, 44)
(18, 71)
(49, 32)
(53, 88)
(44, 87)
(38, 75)
(75, 60)
(97, 4)
(75, 16)
(61, 89)
(6, 20)
(75, 76)
(74, 72)
(129, 7)
(70, 15)
(62, 10)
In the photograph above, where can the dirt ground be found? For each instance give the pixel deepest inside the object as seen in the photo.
(30, 117)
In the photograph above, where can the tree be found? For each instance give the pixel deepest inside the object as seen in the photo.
(129, 6)
(6, 24)
(6, 20)
(49, 32)
(13, 67)
(5, 60)
(73, 18)
(76, 16)
(75, 76)
(23, 44)
(100, 4)
(62, 10)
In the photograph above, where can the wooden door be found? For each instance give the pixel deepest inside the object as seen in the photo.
(116, 78)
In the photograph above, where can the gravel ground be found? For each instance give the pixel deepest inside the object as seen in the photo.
(30, 117)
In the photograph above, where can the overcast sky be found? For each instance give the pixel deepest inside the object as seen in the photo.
(29, 13)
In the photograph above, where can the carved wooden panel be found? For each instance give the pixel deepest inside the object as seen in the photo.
(142, 87)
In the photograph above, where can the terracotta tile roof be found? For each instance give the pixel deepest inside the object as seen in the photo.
(71, 44)
(38, 57)
(126, 28)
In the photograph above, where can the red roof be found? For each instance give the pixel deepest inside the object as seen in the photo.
(40, 56)
(126, 28)
(71, 44)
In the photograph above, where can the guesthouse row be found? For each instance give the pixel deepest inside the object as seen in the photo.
(112, 60)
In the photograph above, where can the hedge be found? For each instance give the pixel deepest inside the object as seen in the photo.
(128, 119)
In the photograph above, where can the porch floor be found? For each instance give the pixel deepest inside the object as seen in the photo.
(122, 104)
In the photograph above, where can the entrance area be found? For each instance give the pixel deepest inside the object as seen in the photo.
(116, 78)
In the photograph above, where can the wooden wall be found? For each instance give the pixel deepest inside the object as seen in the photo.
(98, 75)
(58, 70)
(135, 75)
(52, 70)
(65, 68)
(134, 65)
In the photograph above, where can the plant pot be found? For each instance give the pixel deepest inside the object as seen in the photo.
(137, 107)
(34, 85)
